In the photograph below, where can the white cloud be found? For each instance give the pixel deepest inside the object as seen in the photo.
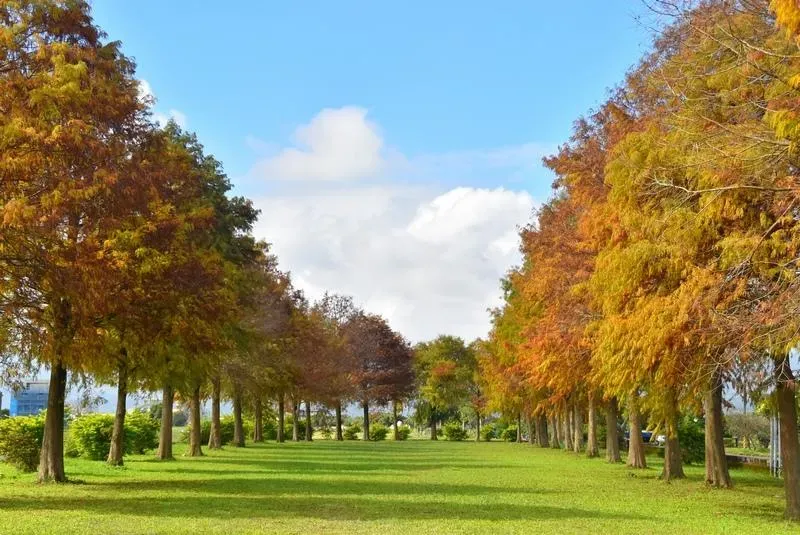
(146, 95)
(411, 242)
(338, 144)
(429, 262)
(145, 91)
(163, 118)
(179, 117)
(463, 210)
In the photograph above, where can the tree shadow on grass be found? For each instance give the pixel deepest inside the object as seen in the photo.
(772, 513)
(324, 508)
(753, 478)
(344, 465)
(266, 461)
(271, 487)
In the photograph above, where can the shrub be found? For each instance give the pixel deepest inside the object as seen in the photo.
(692, 440)
(205, 432)
(454, 431)
(288, 428)
(351, 432)
(288, 431)
(141, 432)
(378, 432)
(21, 440)
(692, 437)
(327, 433)
(403, 432)
(488, 432)
(228, 424)
(509, 434)
(180, 418)
(91, 434)
(601, 429)
(270, 429)
(70, 447)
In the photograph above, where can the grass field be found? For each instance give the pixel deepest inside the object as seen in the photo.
(406, 487)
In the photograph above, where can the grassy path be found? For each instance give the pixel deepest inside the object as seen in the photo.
(408, 487)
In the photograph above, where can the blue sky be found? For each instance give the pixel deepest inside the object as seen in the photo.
(436, 76)
(393, 148)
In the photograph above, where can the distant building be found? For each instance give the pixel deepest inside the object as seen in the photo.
(30, 399)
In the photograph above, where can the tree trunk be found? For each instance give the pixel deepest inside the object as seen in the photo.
(309, 430)
(258, 420)
(519, 428)
(787, 412)
(543, 437)
(215, 436)
(165, 437)
(238, 424)
(536, 433)
(636, 457)
(194, 436)
(720, 477)
(394, 421)
(709, 449)
(577, 426)
(566, 417)
(556, 442)
(339, 435)
(433, 428)
(673, 463)
(477, 428)
(51, 458)
(366, 419)
(529, 425)
(117, 450)
(281, 417)
(295, 421)
(591, 442)
(612, 436)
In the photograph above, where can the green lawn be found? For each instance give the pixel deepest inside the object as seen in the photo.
(406, 487)
(749, 452)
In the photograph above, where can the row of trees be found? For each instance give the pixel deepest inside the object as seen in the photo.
(668, 257)
(123, 257)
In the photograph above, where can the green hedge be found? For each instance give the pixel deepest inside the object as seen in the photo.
(90, 435)
(378, 432)
(351, 432)
(509, 434)
(692, 437)
(488, 432)
(21, 441)
(288, 428)
(141, 432)
(454, 431)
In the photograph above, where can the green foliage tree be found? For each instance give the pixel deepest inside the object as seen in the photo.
(445, 370)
